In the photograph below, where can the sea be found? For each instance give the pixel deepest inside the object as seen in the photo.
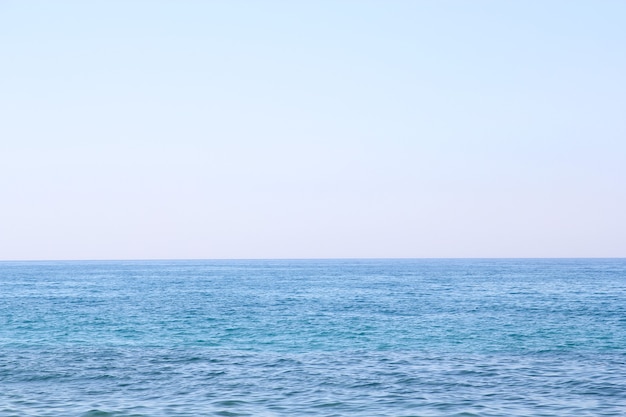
(351, 337)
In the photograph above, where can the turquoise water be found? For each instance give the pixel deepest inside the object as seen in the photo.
(313, 338)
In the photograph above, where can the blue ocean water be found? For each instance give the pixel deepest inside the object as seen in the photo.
(313, 338)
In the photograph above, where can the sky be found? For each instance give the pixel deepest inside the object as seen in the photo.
(321, 129)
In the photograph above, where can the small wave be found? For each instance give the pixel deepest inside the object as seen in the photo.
(101, 413)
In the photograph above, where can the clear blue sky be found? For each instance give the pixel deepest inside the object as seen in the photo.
(289, 129)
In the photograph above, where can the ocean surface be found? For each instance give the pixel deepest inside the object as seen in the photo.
(313, 338)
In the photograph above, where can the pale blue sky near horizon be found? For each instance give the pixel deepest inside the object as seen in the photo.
(322, 129)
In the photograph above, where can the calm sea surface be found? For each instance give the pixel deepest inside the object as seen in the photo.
(313, 338)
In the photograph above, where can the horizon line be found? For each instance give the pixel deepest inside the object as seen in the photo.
(315, 259)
